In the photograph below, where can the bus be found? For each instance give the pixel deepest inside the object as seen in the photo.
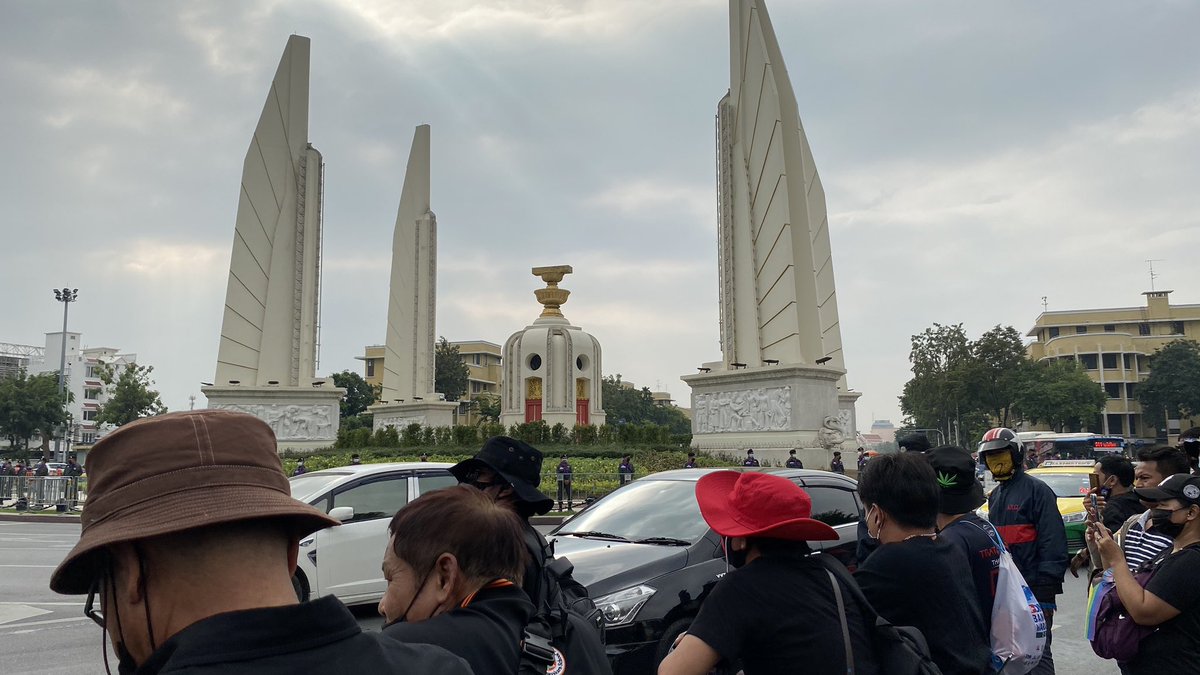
(1041, 446)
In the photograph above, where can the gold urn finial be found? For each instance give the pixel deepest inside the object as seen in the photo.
(552, 297)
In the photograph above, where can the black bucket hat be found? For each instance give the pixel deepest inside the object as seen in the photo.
(515, 461)
(960, 491)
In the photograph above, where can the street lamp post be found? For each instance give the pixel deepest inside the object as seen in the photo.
(66, 296)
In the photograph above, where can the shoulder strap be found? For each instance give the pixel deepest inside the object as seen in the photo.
(841, 605)
(833, 565)
(991, 533)
(1124, 531)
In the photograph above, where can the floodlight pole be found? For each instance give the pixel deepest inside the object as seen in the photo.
(66, 296)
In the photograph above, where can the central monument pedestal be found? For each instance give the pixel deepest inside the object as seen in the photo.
(302, 418)
(400, 415)
(772, 409)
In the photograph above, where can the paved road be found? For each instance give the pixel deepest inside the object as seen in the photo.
(43, 633)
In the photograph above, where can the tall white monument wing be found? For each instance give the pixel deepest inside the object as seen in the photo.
(408, 361)
(778, 300)
(269, 329)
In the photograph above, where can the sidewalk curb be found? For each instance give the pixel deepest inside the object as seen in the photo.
(37, 518)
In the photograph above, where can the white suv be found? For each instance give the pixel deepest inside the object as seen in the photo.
(345, 561)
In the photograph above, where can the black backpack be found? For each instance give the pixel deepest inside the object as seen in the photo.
(899, 650)
(566, 634)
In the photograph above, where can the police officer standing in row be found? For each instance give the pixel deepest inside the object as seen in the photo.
(750, 460)
(564, 482)
(691, 463)
(792, 461)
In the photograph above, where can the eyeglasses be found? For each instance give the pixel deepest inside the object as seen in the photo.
(89, 607)
(473, 476)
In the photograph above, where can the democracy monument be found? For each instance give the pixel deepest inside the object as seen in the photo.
(781, 380)
(266, 360)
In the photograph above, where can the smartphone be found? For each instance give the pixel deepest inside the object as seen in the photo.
(1094, 481)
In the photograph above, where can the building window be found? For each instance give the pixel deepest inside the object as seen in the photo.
(91, 394)
(1081, 329)
(370, 367)
(1133, 425)
(1110, 328)
(477, 359)
(89, 415)
(1053, 331)
(1176, 328)
(1089, 361)
(90, 373)
(1110, 360)
(1116, 424)
(1143, 329)
(89, 437)
(1130, 361)
(1129, 391)
(1113, 389)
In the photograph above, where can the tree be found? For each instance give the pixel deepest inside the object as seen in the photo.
(936, 396)
(359, 393)
(489, 407)
(450, 373)
(626, 405)
(1060, 393)
(129, 395)
(1173, 389)
(31, 405)
(997, 373)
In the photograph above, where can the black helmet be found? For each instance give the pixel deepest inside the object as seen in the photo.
(1002, 439)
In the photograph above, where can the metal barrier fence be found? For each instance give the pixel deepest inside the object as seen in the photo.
(577, 490)
(42, 493)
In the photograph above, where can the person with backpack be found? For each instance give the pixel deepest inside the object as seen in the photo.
(1169, 602)
(917, 578)
(777, 611)
(453, 566)
(566, 625)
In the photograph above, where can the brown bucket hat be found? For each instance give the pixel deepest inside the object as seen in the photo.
(175, 472)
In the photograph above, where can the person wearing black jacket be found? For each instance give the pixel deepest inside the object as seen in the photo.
(1025, 513)
(453, 566)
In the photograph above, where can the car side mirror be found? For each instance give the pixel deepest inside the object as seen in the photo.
(342, 513)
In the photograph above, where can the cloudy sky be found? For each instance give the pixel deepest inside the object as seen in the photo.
(976, 157)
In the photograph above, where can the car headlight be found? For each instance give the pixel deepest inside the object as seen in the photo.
(619, 608)
(1075, 517)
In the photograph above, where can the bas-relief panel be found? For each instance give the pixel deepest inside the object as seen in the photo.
(398, 421)
(761, 409)
(291, 422)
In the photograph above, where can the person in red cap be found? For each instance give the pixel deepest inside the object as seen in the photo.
(776, 612)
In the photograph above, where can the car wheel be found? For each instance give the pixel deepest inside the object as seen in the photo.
(668, 638)
(300, 585)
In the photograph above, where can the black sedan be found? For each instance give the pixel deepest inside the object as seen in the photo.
(648, 558)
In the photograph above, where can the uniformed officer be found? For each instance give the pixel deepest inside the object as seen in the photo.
(691, 463)
(836, 465)
(750, 460)
(625, 470)
(564, 482)
(792, 461)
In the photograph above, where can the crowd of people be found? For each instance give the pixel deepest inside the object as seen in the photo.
(190, 538)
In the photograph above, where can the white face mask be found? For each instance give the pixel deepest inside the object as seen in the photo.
(878, 526)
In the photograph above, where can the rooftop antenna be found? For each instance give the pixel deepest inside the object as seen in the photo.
(1044, 303)
(1153, 276)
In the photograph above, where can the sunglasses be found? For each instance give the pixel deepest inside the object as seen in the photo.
(473, 476)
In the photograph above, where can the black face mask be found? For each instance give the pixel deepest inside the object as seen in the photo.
(403, 618)
(735, 559)
(1161, 518)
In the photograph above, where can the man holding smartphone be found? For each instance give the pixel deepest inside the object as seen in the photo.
(1110, 500)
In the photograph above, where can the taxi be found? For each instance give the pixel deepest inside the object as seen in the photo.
(1068, 478)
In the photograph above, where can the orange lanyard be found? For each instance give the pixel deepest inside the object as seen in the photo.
(498, 583)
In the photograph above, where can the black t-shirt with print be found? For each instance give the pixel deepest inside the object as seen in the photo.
(779, 615)
(971, 534)
(926, 583)
(1175, 646)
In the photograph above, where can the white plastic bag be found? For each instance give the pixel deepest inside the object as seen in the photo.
(1018, 624)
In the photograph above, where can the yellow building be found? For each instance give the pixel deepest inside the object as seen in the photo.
(483, 366)
(1114, 347)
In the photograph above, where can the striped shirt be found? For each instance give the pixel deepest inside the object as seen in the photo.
(1141, 546)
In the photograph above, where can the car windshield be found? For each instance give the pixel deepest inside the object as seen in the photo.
(644, 509)
(1066, 484)
(310, 485)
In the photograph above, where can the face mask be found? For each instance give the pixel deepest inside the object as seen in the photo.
(875, 534)
(734, 559)
(1161, 519)
(1000, 464)
(403, 618)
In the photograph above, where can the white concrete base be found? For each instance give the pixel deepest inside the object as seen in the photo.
(303, 418)
(769, 408)
(399, 415)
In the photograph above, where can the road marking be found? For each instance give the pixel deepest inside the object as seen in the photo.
(42, 623)
(14, 612)
(36, 566)
(45, 604)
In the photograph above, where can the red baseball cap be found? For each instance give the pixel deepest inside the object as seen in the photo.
(755, 504)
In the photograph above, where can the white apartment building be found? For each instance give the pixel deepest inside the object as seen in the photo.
(82, 379)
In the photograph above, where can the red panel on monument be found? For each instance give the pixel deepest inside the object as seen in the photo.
(582, 408)
(533, 410)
